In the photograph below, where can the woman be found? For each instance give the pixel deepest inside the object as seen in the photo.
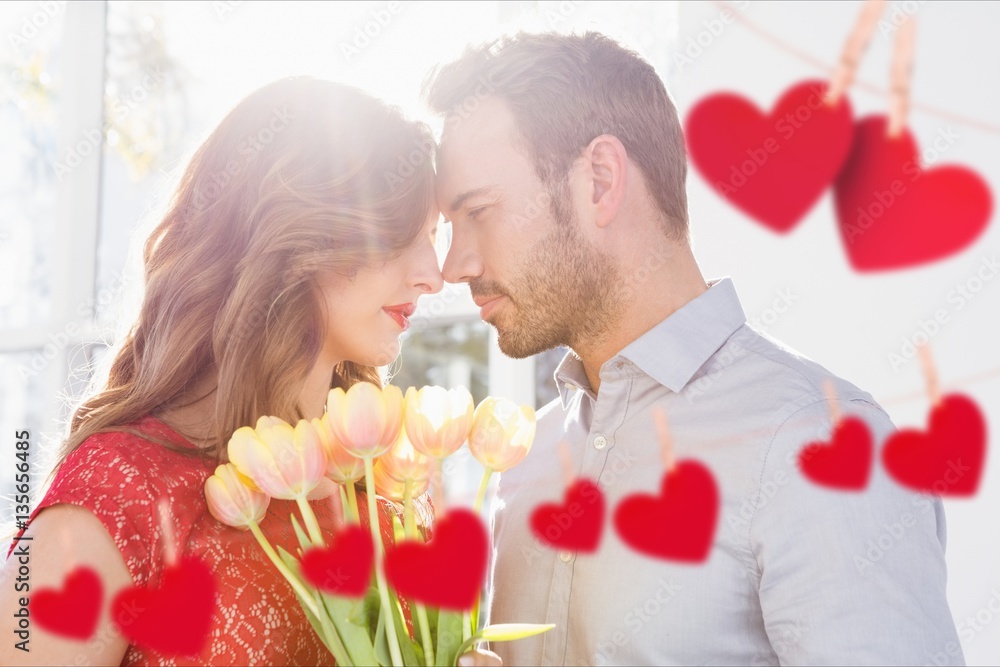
(294, 251)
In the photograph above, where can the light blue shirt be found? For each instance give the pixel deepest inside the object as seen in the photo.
(797, 573)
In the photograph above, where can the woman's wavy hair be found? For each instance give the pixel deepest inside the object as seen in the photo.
(302, 175)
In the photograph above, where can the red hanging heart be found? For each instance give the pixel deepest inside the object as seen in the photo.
(343, 568)
(893, 213)
(845, 462)
(448, 571)
(576, 523)
(73, 610)
(173, 619)
(679, 524)
(773, 167)
(948, 458)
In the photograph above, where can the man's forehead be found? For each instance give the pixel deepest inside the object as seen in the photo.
(488, 125)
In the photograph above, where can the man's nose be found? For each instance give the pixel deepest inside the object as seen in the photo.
(462, 263)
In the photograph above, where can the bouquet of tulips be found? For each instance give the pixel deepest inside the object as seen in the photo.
(348, 583)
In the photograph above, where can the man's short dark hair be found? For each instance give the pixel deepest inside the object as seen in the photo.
(564, 90)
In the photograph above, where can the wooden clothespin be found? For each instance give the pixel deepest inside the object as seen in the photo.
(854, 48)
(666, 440)
(902, 68)
(831, 398)
(930, 374)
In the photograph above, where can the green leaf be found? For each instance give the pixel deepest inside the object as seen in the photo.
(357, 639)
(505, 632)
(449, 637)
(304, 541)
(432, 617)
(406, 644)
(398, 531)
(382, 643)
(502, 632)
(365, 611)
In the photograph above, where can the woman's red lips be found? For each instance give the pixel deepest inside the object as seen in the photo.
(401, 313)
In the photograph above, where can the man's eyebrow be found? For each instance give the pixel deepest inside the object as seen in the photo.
(461, 199)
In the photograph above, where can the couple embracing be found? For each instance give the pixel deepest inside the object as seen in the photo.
(298, 274)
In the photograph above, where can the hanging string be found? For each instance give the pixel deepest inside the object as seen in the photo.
(767, 36)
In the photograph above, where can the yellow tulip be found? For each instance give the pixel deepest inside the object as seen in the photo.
(389, 487)
(341, 466)
(231, 499)
(283, 462)
(438, 419)
(365, 419)
(502, 433)
(402, 462)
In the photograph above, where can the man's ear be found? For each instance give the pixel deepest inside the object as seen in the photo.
(608, 168)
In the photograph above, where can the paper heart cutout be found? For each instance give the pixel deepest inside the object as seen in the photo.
(845, 462)
(448, 571)
(772, 167)
(893, 213)
(343, 568)
(73, 610)
(173, 619)
(679, 524)
(576, 523)
(948, 458)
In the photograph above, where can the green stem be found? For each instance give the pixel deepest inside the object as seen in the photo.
(383, 592)
(283, 569)
(481, 495)
(312, 526)
(471, 618)
(410, 527)
(352, 503)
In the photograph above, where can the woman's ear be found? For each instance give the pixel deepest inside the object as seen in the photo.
(607, 168)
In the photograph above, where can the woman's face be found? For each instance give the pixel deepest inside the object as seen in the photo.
(367, 313)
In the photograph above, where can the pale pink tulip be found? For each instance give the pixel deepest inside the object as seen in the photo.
(283, 462)
(502, 433)
(389, 487)
(438, 419)
(231, 499)
(341, 466)
(365, 419)
(402, 462)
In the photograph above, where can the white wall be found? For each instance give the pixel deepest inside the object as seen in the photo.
(847, 321)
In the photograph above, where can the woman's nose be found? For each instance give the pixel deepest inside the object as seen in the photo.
(426, 273)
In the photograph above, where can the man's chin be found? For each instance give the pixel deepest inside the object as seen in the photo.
(515, 345)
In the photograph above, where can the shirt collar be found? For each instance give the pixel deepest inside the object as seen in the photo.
(672, 351)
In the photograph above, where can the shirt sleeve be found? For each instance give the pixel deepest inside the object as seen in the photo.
(101, 477)
(849, 577)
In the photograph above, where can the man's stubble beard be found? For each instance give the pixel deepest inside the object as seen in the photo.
(568, 292)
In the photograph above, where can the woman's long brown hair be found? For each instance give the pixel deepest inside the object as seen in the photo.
(302, 175)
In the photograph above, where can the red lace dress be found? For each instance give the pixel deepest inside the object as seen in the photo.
(120, 477)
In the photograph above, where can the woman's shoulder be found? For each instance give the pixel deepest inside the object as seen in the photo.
(122, 476)
(131, 458)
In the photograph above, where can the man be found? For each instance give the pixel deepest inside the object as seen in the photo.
(562, 169)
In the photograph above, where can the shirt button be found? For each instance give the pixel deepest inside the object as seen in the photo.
(600, 442)
(565, 556)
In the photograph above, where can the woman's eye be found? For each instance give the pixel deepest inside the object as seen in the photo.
(474, 213)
